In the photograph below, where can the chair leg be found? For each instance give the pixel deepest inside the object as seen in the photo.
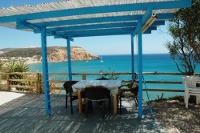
(186, 97)
(87, 102)
(136, 101)
(66, 102)
(117, 104)
(71, 105)
(197, 99)
(91, 105)
(120, 106)
(109, 102)
(186, 101)
(103, 109)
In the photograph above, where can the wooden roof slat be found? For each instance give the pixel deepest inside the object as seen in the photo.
(67, 16)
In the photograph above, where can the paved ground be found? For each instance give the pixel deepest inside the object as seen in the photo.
(26, 113)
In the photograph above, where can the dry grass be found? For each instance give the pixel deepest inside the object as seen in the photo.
(175, 117)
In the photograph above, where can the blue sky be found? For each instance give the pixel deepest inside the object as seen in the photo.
(152, 43)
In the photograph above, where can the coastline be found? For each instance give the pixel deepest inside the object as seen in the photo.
(39, 62)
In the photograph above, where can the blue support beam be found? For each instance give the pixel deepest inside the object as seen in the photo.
(98, 20)
(102, 26)
(100, 9)
(95, 26)
(45, 71)
(140, 67)
(37, 28)
(69, 59)
(132, 57)
(147, 15)
(104, 32)
(117, 31)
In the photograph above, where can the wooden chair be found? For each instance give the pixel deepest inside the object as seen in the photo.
(127, 91)
(97, 94)
(72, 95)
(108, 93)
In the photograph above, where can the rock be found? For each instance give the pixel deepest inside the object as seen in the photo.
(172, 101)
(173, 130)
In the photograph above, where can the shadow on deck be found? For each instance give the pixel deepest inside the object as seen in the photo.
(27, 114)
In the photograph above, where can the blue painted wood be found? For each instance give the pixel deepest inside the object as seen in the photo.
(88, 20)
(37, 28)
(132, 56)
(96, 26)
(27, 25)
(126, 30)
(100, 9)
(69, 59)
(145, 18)
(45, 71)
(104, 33)
(98, 20)
(140, 67)
(120, 31)
(147, 15)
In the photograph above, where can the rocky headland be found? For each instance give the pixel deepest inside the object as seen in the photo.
(55, 54)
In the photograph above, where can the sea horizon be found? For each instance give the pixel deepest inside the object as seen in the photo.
(134, 54)
(121, 63)
(151, 63)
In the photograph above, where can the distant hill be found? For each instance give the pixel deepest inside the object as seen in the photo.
(55, 54)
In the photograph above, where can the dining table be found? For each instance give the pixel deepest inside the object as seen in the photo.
(111, 85)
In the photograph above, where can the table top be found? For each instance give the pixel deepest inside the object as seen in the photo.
(111, 85)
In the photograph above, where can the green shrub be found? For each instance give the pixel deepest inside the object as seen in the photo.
(109, 74)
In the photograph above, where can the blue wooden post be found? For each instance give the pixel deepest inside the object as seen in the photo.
(45, 71)
(69, 59)
(132, 57)
(139, 28)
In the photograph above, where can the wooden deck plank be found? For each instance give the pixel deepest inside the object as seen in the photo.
(27, 114)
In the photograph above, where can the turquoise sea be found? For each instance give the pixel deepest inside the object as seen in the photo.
(122, 63)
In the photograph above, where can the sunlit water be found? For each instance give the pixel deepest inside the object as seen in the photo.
(122, 63)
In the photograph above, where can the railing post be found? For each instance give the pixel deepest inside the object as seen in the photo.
(8, 82)
(83, 76)
(39, 88)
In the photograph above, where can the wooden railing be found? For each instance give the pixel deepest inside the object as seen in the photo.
(33, 82)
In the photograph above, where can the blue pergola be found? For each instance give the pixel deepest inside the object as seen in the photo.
(78, 18)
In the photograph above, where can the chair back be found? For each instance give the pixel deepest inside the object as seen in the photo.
(68, 86)
(96, 92)
(102, 78)
(134, 88)
(135, 77)
(191, 81)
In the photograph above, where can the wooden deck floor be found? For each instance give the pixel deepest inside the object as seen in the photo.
(27, 114)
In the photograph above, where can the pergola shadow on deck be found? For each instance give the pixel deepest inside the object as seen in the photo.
(27, 114)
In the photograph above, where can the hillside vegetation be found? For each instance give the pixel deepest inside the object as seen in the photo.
(27, 52)
(54, 54)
